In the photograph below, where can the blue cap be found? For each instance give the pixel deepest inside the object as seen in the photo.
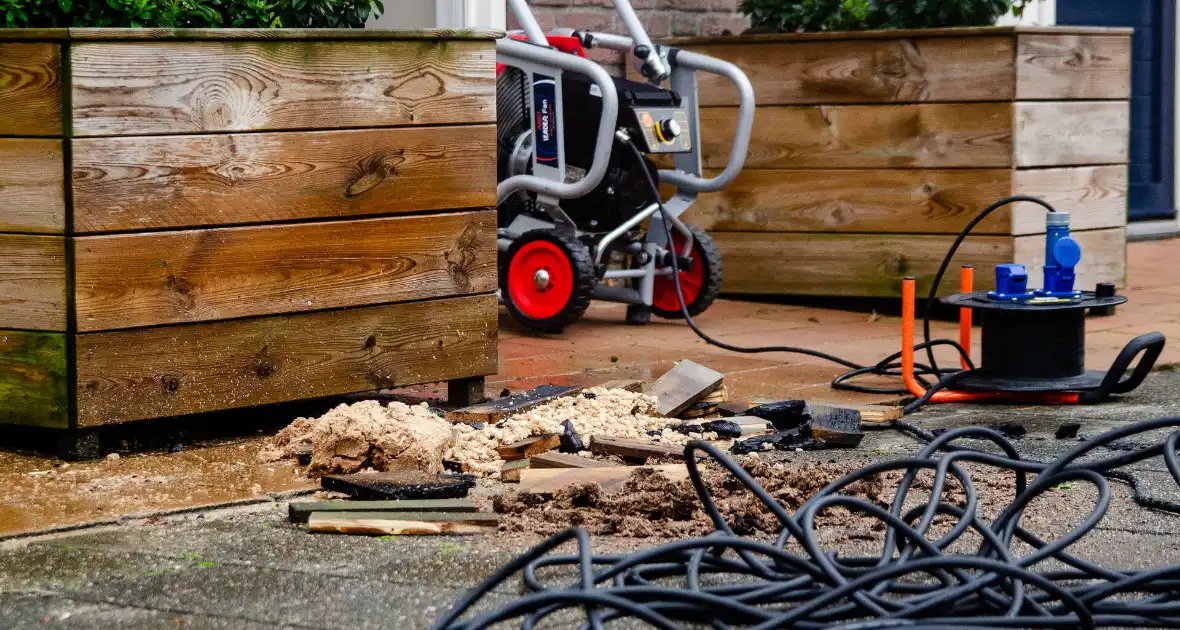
(1067, 252)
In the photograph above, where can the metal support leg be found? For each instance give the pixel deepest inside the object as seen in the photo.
(464, 392)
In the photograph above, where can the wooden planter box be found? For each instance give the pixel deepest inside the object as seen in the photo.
(872, 150)
(201, 220)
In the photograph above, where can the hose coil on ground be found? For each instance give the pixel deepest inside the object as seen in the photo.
(727, 581)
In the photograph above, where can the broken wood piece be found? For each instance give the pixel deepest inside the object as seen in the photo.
(633, 448)
(752, 425)
(510, 471)
(497, 410)
(683, 385)
(299, 511)
(395, 486)
(836, 426)
(611, 478)
(868, 413)
(564, 460)
(717, 396)
(403, 524)
(529, 446)
(629, 384)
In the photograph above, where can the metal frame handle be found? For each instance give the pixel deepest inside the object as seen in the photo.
(508, 50)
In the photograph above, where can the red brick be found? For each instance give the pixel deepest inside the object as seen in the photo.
(684, 24)
(586, 20)
(657, 24)
(592, 3)
(550, 3)
(713, 25)
(729, 6)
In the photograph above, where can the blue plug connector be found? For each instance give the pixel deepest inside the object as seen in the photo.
(1062, 255)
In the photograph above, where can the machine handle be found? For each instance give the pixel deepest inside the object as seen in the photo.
(1150, 346)
(508, 49)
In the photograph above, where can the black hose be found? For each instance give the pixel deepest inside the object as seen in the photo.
(916, 581)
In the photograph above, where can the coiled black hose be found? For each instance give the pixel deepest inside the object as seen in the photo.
(727, 581)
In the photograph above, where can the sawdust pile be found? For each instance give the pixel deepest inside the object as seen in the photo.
(363, 435)
(649, 505)
(596, 411)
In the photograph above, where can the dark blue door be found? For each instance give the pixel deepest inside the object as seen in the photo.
(1152, 93)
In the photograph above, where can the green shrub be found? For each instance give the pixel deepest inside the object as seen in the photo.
(189, 13)
(851, 15)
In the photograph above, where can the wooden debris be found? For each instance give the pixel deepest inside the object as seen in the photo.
(735, 407)
(717, 396)
(784, 414)
(632, 385)
(403, 524)
(611, 478)
(299, 511)
(510, 472)
(752, 425)
(836, 426)
(497, 410)
(397, 486)
(683, 385)
(529, 447)
(868, 413)
(698, 410)
(632, 448)
(564, 460)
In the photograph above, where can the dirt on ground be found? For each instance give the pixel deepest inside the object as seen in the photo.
(652, 506)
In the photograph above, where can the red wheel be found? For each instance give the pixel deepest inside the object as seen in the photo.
(699, 287)
(547, 280)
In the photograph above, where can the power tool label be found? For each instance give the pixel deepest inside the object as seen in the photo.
(545, 126)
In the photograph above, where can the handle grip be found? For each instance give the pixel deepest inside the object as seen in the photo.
(1150, 346)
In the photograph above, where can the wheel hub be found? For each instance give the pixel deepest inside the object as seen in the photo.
(541, 279)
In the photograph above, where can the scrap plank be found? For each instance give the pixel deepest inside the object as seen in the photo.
(633, 448)
(154, 278)
(190, 368)
(1073, 66)
(510, 471)
(497, 410)
(34, 379)
(32, 188)
(529, 447)
(30, 101)
(153, 182)
(564, 460)
(299, 511)
(407, 524)
(33, 282)
(191, 87)
(684, 384)
(395, 486)
(611, 478)
(1066, 133)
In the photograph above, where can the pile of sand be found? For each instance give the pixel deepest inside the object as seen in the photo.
(364, 435)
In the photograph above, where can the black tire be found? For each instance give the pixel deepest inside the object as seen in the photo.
(583, 280)
(710, 257)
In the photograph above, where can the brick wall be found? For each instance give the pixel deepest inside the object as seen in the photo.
(662, 18)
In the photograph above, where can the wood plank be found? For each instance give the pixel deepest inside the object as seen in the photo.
(949, 33)
(681, 386)
(32, 186)
(611, 478)
(497, 410)
(510, 471)
(30, 89)
(299, 511)
(528, 447)
(874, 71)
(397, 485)
(1068, 133)
(34, 379)
(871, 201)
(132, 280)
(564, 460)
(1095, 197)
(1073, 67)
(196, 87)
(33, 282)
(927, 135)
(269, 34)
(409, 524)
(601, 445)
(177, 370)
(865, 265)
(139, 183)
(1104, 257)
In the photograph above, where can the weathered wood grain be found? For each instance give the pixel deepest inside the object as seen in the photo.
(1104, 257)
(131, 280)
(528, 447)
(136, 183)
(33, 282)
(564, 460)
(33, 379)
(30, 89)
(956, 32)
(865, 265)
(32, 188)
(550, 480)
(872, 71)
(407, 524)
(195, 87)
(1065, 133)
(928, 135)
(681, 386)
(941, 201)
(1061, 67)
(1095, 197)
(177, 370)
